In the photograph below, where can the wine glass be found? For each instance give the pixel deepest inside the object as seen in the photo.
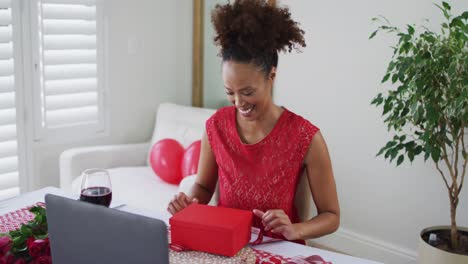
(96, 187)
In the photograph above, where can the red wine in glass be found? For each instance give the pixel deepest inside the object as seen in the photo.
(96, 187)
(97, 195)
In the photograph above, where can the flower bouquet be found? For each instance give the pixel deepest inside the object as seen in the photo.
(29, 243)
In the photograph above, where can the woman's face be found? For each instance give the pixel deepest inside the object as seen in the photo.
(247, 88)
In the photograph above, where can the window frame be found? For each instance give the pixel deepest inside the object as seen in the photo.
(68, 133)
(24, 156)
(29, 135)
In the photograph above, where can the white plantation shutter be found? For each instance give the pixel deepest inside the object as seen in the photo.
(69, 65)
(9, 176)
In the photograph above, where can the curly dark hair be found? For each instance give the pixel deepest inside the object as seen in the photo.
(254, 31)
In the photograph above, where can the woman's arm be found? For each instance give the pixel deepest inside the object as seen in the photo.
(205, 181)
(322, 185)
(207, 176)
(323, 188)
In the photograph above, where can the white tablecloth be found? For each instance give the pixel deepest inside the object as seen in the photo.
(284, 248)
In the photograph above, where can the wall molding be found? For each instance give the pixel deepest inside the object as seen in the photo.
(359, 245)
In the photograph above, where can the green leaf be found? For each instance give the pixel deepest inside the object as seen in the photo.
(377, 100)
(42, 236)
(38, 210)
(446, 14)
(394, 78)
(416, 116)
(446, 5)
(18, 242)
(26, 231)
(432, 113)
(404, 112)
(400, 160)
(400, 147)
(373, 34)
(420, 112)
(411, 156)
(426, 155)
(387, 108)
(393, 154)
(15, 233)
(401, 77)
(465, 15)
(453, 67)
(387, 153)
(23, 249)
(435, 154)
(389, 145)
(391, 66)
(418, 150)
(380, 151)
(456, 22)
(410, 30)
(427, 55)
(409, 145)
(385, 78)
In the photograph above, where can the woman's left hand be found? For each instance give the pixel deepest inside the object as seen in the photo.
(279, 223)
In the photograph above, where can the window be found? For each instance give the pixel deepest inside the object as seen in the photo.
(68, 65)
(51, 69)
(9, 179)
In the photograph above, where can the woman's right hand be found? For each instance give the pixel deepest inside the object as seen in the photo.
(179, 202)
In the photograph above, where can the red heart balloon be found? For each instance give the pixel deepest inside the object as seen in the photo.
(165, 159)
(190, 160)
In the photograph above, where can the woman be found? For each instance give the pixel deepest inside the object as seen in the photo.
(256, 149)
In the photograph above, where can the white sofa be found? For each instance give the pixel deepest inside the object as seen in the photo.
(133, 180)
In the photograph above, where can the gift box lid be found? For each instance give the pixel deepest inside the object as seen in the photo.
(211, 217)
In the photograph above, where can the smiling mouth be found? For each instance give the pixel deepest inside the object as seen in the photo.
(247, 111)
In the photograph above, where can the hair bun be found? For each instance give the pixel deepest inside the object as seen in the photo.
(256, 27)
(271, 3)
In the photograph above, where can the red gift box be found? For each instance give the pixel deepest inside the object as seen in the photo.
(217, 230)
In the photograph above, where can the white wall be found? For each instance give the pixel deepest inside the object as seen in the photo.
(184, 39)
(159, 71)
(332, 83)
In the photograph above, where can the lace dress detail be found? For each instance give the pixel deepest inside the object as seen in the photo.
(263, 175)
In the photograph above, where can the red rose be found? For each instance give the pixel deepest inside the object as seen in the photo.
(47, 247)
(10, 259)
(37, 247)
(43, 260)
(5, 245)
(20, 261)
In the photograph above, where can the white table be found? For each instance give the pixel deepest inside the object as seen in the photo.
(283, 248)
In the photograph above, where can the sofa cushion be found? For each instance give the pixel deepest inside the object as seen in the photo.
(185, 124)
(146, 192)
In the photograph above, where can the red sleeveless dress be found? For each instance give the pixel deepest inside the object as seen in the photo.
(263, 175)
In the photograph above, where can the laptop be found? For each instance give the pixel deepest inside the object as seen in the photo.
(81, 232)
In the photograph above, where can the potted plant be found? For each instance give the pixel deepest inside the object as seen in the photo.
(427, 109)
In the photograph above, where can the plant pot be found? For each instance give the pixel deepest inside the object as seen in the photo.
(428, 254)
